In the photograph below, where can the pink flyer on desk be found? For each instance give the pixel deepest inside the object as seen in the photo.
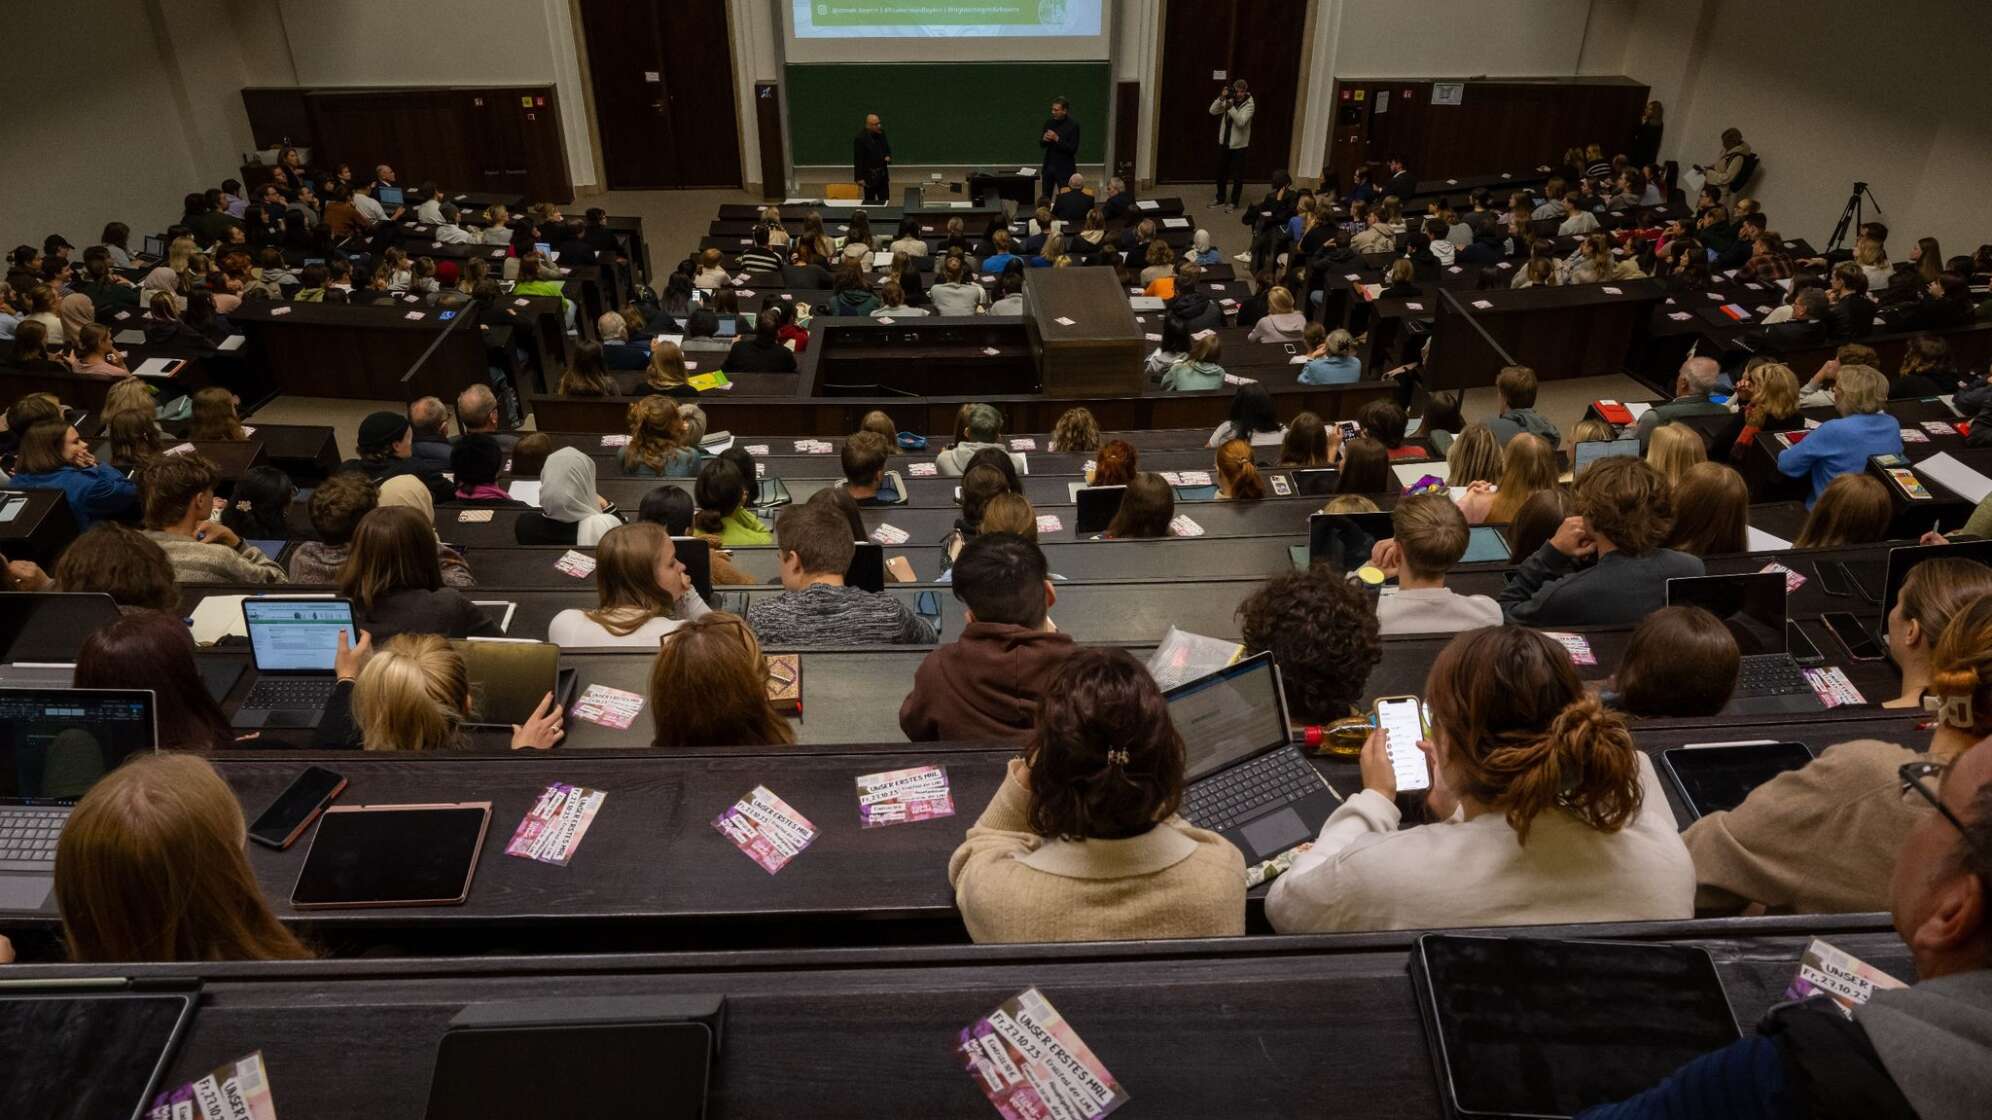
(1032, 1065)
(919, 793)
(553, 829)
(767, 829)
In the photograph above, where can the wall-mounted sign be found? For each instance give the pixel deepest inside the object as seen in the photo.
(1448, 93)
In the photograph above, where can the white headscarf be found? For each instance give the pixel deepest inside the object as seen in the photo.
(1201, 242)
(567, 493)
(161, 279)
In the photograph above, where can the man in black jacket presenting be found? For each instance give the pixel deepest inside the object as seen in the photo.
(1060, 141)
(871, 160)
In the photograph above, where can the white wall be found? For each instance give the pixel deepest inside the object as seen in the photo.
(114, 134)
(1847, 91)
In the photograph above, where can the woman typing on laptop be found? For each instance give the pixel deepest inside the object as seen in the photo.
(1082, 842)
(1546, 811)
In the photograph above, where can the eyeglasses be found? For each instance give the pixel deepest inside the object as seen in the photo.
(1918, 778)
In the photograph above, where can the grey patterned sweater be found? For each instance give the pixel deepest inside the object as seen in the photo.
(826, 615)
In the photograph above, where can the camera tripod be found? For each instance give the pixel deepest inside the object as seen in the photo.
(1851, 217)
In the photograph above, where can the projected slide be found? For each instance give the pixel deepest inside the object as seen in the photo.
(944, 19)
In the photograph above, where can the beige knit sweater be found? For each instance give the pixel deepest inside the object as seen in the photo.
(1175, 880)
(1819, 839)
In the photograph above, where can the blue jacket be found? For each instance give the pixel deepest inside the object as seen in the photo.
(98, 494)
(1840, 447)
(1332, 369)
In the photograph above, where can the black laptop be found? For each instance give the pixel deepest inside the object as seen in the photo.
(42, 633)
(1246, 779)
(867, 570)
(696, 555)
(1752, 606)
(1345, 540)
(54, 745)
(1316, 482)
(1097, 506)
(294, 643)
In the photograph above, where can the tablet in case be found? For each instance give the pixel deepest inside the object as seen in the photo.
(392, 855)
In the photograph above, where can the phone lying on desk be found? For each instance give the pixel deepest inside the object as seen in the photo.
(296, 807)
(1403, 719)
(1832, 577)
(1800, 646)
(1861, 646)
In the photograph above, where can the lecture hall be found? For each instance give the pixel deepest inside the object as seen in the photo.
(996, 558)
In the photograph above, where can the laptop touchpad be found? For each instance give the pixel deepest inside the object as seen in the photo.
(1274, 833)
(25, 892)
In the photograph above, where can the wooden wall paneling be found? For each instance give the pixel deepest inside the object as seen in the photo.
(1196, 40)
(1127, 130)
(1266, 52)
(630, 106)
(698, 74)
(774, 143)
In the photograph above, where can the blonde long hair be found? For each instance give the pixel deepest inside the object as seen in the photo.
(413, 695)
(150, 867)
(626, 578)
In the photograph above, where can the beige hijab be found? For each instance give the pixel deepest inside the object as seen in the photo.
(76, 311)
(407, 490)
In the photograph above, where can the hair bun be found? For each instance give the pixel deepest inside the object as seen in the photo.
(1962, 681)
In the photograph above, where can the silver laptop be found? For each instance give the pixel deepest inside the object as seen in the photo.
(1246, 779)
(54, 745)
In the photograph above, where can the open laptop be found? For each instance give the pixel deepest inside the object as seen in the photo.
(1590, 451)
(1345, 540)
(293, 643)
(390, 196)
(1097, 506)
(1316, 482)
(1901, 560)
(42, 633)
(1245, 778)
(154, 249)
(1752, 606)
(54, 745)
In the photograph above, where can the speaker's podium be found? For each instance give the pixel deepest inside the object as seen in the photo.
(1084, 332)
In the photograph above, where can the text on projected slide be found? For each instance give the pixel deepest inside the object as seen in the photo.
(941, 18)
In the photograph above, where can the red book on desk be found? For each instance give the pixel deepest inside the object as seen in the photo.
(1613, 412)
(1734, 311)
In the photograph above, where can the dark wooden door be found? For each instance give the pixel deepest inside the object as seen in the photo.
(662, 72)
(1258, 42)
(698, 80)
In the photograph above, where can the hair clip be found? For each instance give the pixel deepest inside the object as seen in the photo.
(1952, 711)
(1117, 757)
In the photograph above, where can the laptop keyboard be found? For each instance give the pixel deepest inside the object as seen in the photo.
(1267, 782)
(284, 693)
(27, 837)
(1770, 674)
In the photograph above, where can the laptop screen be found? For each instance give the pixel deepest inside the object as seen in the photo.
(1591, 451)
(1096, 507)
(296, 635)
(1345, 540)
(389, 196)
(1228, 716)
(49, 627)
(154, 246)
(56, 742)
(1484, 544)
(1751, 605)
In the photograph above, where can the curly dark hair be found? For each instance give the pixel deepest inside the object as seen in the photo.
(1102, 701)
(1322, 632)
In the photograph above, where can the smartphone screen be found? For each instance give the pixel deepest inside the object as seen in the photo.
(1861, 646)
(1801, 648)
(286, 818)
(1281, 486)
(1403, 719)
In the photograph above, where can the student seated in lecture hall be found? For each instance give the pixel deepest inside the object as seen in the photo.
(1624, 511)
(816, 608)
(1082, 841)
(1428, 536)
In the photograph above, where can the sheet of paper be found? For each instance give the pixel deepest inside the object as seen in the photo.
(1175, 223)
(1830, 684)
(922, 470)
(610, 707)
(239, 1090)
(766, 829)
(580, 565)
(1065, 322)
(474, 516)
(552, 830)
(232, 343)
(918, 793)
(1148, 204)
(1850, 981)
(1577, 645)
(1023, 443)
(1182, 525)
(1638, 409)
(1793, 580)
(1756, 540)
(1049, 523)
(615, 441)
(1965, 482)
(1030, 1063)
(526, 490)
(890, 535)
(158, 367)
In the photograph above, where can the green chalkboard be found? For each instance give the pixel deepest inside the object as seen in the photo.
(953, 112)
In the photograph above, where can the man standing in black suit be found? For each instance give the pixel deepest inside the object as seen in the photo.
(1401, 183)
(1060, 141)
(871, 160)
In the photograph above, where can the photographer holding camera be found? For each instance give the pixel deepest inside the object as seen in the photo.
(1234, 135)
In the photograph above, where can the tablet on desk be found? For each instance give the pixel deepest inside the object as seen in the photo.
(392, 855)
(1716, 777)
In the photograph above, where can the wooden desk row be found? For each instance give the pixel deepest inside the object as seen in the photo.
(653, 871)
(1237, 1027)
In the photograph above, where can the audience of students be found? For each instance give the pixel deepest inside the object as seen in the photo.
(414, 694)
(51, 456)
(1428, 535)
(643, 592)
(394, 578)
(179, 502)
(1623, 513)
(987, 682)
